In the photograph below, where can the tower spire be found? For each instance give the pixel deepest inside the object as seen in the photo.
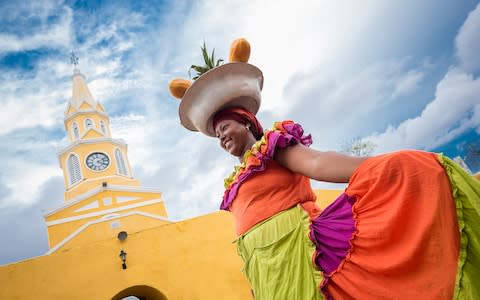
(73, 59)
(80, 92)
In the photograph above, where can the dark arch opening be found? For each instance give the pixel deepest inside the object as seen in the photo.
(142, 292)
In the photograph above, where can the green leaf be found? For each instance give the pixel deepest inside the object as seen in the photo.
(209, 62)
(205, 55)
(212, 60)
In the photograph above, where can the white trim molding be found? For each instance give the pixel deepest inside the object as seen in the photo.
(87, 130)
(103, 179)
(103, 212)
(115, 188)
(92, 205)
(118, 142)
(84, 226)
(83, 112)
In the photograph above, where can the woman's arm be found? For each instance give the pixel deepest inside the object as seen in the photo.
(324, 166)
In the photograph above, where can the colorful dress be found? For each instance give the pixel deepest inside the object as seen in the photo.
(406, 227)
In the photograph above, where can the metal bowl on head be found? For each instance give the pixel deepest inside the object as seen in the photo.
(232, 84)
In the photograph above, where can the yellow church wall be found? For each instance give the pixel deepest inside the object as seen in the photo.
(109, 199)
(59, 232)
(94, 183)
(188, 260)
(325, 197)
(109, 228)
(154, 209)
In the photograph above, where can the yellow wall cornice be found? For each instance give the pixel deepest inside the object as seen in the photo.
(104, 212)
(85, 112)
(69, 148)
(119, 188)
(88, 224)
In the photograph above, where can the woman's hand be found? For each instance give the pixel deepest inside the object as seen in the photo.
(323, 166)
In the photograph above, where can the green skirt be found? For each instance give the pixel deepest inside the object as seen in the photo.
(278, 257)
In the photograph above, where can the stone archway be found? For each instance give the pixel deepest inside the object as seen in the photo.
(142, 292)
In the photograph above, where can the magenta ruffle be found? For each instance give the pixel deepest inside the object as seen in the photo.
(332, 232)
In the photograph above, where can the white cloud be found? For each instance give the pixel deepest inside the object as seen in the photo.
(44, 36)
(454, 110)
(338, 106)
(25, 179)
(38, 105)
(296, 38)
(468, 42)
(131, 129)
(408, 84)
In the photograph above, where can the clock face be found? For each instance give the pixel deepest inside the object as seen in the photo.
(98, 161)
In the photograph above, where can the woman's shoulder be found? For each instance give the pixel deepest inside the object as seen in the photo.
(284, 134)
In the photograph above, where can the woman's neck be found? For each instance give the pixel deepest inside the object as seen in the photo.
(248, 146)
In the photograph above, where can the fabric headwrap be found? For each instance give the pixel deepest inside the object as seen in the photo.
(241, 115)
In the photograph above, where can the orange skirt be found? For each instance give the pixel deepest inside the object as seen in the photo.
(406, 243)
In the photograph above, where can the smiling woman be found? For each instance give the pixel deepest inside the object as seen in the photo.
(406, 219)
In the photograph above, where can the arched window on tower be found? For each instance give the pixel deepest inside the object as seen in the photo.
(76, 134)
(88, 124)
(74, 173)
(120, 162)
(102, 127)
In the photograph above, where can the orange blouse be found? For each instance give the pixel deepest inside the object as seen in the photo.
(267, 193)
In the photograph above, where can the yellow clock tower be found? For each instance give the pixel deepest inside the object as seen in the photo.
(99, 186)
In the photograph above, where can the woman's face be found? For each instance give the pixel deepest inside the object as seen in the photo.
(234, 137)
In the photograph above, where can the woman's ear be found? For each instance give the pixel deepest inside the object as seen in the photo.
(178, 87)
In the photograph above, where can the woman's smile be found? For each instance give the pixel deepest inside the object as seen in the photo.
(226, 142)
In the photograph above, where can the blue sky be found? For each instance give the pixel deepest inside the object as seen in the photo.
(401, 74)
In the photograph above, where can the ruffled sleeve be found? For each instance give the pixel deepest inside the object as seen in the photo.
(282, 135)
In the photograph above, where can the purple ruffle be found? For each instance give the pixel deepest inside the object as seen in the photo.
(331, 232)
(292, 134)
